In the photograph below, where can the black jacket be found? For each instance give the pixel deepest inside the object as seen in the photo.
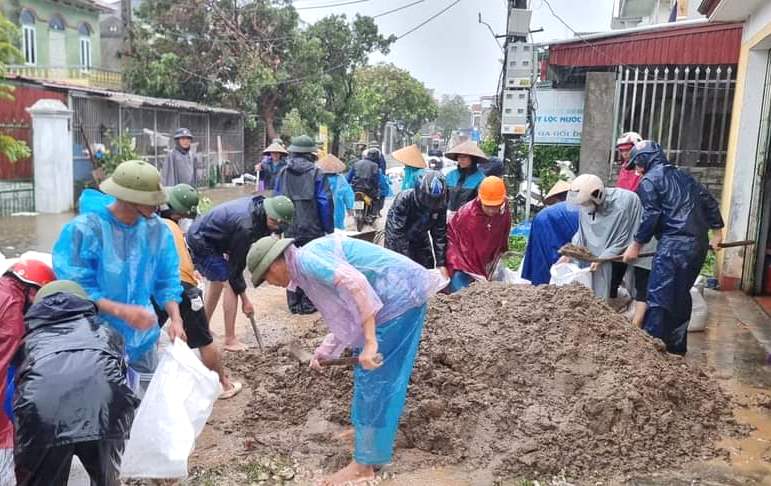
(408, 226)
(71, 381)
(230, 229)
(305, 184)
(365, 177)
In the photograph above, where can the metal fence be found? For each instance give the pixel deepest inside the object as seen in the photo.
(16, 197)
(687, 109)
(218, 146)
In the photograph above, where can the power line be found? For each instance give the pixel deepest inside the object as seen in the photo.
(330, 5)
(456, 2)
(383, 14)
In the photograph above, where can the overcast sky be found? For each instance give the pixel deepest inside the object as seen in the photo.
(454, 54)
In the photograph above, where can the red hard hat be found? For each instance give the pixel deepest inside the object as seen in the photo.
(32, 272)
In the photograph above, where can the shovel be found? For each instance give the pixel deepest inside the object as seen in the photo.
(583, 254)
(305, 357)
(256, 331)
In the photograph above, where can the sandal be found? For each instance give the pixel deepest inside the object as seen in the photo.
(235, 390)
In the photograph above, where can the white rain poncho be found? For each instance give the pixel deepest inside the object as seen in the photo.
(608, 231)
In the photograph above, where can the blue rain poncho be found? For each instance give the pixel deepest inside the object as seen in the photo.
(411, 177)
(126, 264)
(343, 197)
(350, 281)
(552, 227)
(679, 211)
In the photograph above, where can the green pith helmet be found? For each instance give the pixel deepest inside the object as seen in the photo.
(280, 208)
(262, 254)
(60, 287)
(137, 182)
(303, 145)
(183, 199)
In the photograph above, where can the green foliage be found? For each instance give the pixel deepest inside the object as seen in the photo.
(11, 148)
(293, 125)
(119, 149)
(708, 269)
(489, 146)
(386, 93)
(453, 114)
(513, 258)
(345, 49)
(544, 158)
(252, 55)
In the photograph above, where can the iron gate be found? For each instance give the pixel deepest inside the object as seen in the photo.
(687, 109)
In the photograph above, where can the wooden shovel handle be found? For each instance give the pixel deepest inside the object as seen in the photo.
(349, 361)
(730, 244)
(734, 244)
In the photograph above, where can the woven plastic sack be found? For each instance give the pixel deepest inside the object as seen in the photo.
(172, 414)
(568, 273)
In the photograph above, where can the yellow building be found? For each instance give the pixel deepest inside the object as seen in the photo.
(746, 201)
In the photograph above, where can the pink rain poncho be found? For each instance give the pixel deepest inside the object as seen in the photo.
(350, 280)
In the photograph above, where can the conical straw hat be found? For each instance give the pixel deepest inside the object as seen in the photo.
(275, 147)
(410, 156)
(331, 165)
(466, 148)
(559, 188)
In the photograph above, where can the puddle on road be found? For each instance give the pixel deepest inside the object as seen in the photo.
(40, 231)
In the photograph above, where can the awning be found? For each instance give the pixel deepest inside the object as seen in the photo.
(713, 43)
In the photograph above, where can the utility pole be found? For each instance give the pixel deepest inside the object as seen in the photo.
(517, 106)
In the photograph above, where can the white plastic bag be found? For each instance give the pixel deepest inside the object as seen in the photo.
(506, 275)
(699, 311)
(568, 273)
(172, 414)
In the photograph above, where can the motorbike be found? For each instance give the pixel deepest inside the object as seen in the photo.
(364, 212)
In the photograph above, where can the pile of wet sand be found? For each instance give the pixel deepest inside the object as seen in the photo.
(523, 381)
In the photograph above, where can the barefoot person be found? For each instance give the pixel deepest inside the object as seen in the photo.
(219, 241)
(374, 301)
(183, 203)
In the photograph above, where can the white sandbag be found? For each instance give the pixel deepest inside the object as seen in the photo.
(699, 311)
(172, 414)
(504, 274)
(568, 273)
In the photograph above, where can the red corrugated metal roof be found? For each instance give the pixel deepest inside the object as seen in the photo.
(717, 43)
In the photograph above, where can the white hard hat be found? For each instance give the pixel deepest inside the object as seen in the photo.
(629, 138)
(586, 189)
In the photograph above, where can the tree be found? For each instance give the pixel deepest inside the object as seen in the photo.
(9, 35)
(453, 114)
(345, 49)
(386, 93)
(250, 55)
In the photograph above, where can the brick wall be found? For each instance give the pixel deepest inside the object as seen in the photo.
(712, 177)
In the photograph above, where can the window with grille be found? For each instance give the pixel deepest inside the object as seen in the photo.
(85, 46)
(29, 43)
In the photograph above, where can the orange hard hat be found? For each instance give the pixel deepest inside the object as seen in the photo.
(492, 191)
(32, 272)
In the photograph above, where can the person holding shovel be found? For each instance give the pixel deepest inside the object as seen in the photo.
(607, 222)
(679, 211)
(183, 203)
(219, 242)
(478, 234)
(374, 302)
